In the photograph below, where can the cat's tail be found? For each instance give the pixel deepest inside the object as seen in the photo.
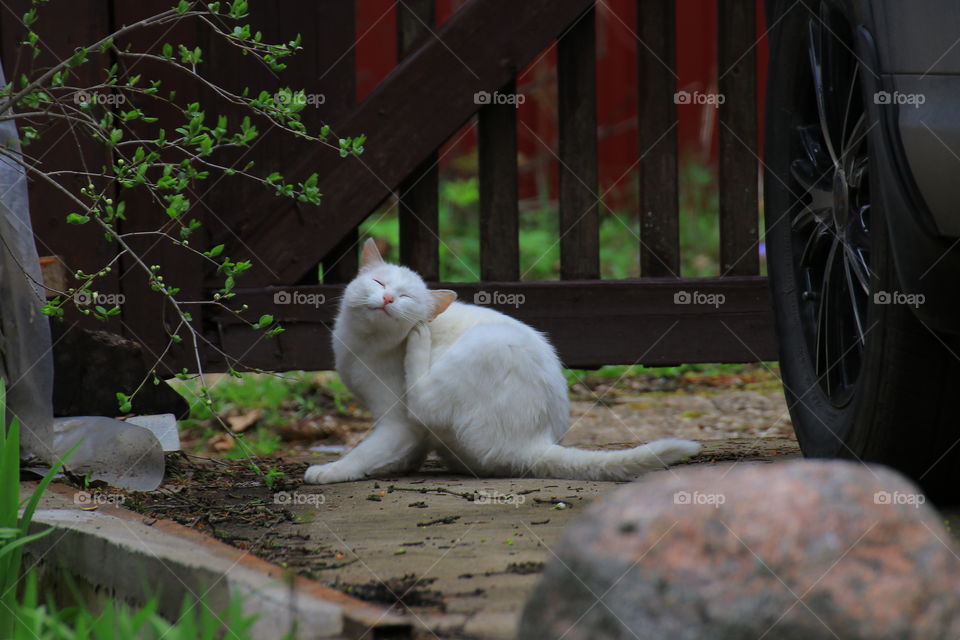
(555, 461)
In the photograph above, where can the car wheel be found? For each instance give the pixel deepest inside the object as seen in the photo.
(864, 379)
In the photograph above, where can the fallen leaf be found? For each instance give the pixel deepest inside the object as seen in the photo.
(221, 442)
(242, 422)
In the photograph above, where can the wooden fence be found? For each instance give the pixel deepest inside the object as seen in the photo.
(429, 96)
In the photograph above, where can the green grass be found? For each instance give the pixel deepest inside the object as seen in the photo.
(618, 372)
(40, 618)
(539, 232)
(14, 526)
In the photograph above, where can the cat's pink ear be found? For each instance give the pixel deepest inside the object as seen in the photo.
(371, 255)
(442, 298)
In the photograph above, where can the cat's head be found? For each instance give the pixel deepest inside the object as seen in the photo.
(392, 295)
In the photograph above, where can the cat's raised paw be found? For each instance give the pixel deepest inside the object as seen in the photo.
(419, 336)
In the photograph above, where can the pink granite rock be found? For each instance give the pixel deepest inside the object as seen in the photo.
(805, 549)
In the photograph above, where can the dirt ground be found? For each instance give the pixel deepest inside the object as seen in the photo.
(459, 554)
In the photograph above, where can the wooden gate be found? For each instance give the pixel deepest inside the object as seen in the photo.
(658, 318)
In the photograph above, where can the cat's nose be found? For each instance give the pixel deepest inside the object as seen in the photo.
(387, 298)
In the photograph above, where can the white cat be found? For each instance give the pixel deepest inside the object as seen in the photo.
(483, 390)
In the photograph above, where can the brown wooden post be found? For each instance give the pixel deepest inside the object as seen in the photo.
(659, 219)
(736, 63)
(579, 200)
(419, 193)
(148, 317)
(336, 48)
(499, 195)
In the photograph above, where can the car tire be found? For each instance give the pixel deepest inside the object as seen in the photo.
(864, 378)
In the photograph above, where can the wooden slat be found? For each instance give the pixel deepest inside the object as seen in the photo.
(579, 200)
(415, 20)
(342, 262)
(499, 195)
(628, 321)
(336, 62)
(419, 220)
(323, 67)
(475, 50)
(737, 82)
(419, 193)
(148, 317)
(659, 221)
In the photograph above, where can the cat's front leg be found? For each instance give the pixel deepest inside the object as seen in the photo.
(331, 473)
(396, 445)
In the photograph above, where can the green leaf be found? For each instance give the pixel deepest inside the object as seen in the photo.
(213, 253)
(52, 308)
(206, 145)
(78, 58)
(76, 218)
(123, 400)
(238, 9)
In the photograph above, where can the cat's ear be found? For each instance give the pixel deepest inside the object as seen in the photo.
(442, 298)
(371, 255)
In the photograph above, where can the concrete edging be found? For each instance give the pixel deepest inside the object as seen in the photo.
(123, 553)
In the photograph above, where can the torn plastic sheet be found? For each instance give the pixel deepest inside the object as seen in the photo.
(125, 455)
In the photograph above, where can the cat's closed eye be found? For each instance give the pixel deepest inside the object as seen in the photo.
(380, 283)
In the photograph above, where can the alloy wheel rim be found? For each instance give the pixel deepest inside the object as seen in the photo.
(831, 222)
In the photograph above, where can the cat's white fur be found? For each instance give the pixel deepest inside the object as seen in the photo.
(483, 390)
